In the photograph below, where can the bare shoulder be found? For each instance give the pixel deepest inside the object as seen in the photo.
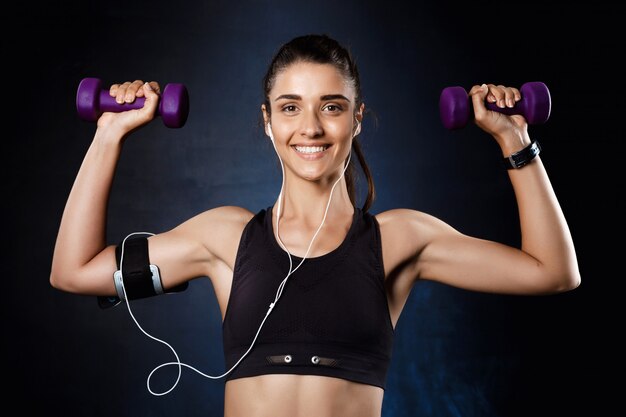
(227, 216)
(223, 221)
(397, 222)
(405, 233)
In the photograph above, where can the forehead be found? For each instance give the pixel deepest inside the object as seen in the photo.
(311, 79)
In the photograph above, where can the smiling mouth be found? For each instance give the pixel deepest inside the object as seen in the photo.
(310, 150)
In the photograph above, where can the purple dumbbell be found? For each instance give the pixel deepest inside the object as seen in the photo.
(455, 107)
(92, 101)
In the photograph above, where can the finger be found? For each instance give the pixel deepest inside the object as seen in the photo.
(516, 94)
(137, 87)
(155, 87)
(120, 94)
(113, 90)
(131, 91)
(493, 94)
(499, 93)
(509, 97)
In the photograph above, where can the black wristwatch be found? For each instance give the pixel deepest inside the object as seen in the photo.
(522, 157)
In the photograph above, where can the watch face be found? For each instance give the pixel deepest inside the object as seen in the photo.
(535, 149)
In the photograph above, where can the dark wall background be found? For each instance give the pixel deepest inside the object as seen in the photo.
(456, 353)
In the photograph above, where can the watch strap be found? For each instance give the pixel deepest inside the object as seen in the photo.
(523, 156)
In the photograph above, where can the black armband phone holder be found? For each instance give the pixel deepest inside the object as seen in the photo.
(137, 277)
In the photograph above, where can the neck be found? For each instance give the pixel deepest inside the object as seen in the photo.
(306, 201)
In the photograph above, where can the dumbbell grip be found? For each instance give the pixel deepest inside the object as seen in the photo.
(108, 103)
(509, 111)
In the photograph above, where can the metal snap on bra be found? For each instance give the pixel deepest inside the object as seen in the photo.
(289, 359)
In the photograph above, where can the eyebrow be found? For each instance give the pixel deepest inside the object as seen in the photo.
(323, 98)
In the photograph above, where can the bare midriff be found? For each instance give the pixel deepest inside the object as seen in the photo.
(300, 396)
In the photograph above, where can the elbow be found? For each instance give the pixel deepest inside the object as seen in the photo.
(570, 282)
(564, 282)
(567, 275)
(570, 277)
(55, 278)
(57, 281)
(61, 280)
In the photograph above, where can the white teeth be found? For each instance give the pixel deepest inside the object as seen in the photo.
(311, 149)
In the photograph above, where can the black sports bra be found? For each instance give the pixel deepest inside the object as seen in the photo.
(332, 318)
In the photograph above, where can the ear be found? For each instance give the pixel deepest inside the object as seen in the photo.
(266, 118)
(359, 118)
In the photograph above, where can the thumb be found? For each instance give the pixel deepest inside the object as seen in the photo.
(478, 94)
(152, 97)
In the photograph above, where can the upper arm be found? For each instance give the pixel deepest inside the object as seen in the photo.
(436, 251)
(200, 245)
(183, 253)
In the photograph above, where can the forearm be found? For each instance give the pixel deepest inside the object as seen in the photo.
(82, 232)
(544, 230)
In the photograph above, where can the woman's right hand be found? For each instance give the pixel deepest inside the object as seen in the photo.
(127, 121)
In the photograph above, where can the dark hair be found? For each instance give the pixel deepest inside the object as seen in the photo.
(322, 49)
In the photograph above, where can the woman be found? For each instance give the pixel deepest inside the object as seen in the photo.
(317, 343)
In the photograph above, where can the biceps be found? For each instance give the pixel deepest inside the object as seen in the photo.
(480, 265)
(179, 258)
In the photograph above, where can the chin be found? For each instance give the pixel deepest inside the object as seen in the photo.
(312, 176)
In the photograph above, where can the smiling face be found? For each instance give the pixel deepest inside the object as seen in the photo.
(313, 119)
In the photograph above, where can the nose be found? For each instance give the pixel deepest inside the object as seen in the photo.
(311, 126)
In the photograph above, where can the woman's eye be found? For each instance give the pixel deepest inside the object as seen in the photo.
(289, 108)
(333, 108)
